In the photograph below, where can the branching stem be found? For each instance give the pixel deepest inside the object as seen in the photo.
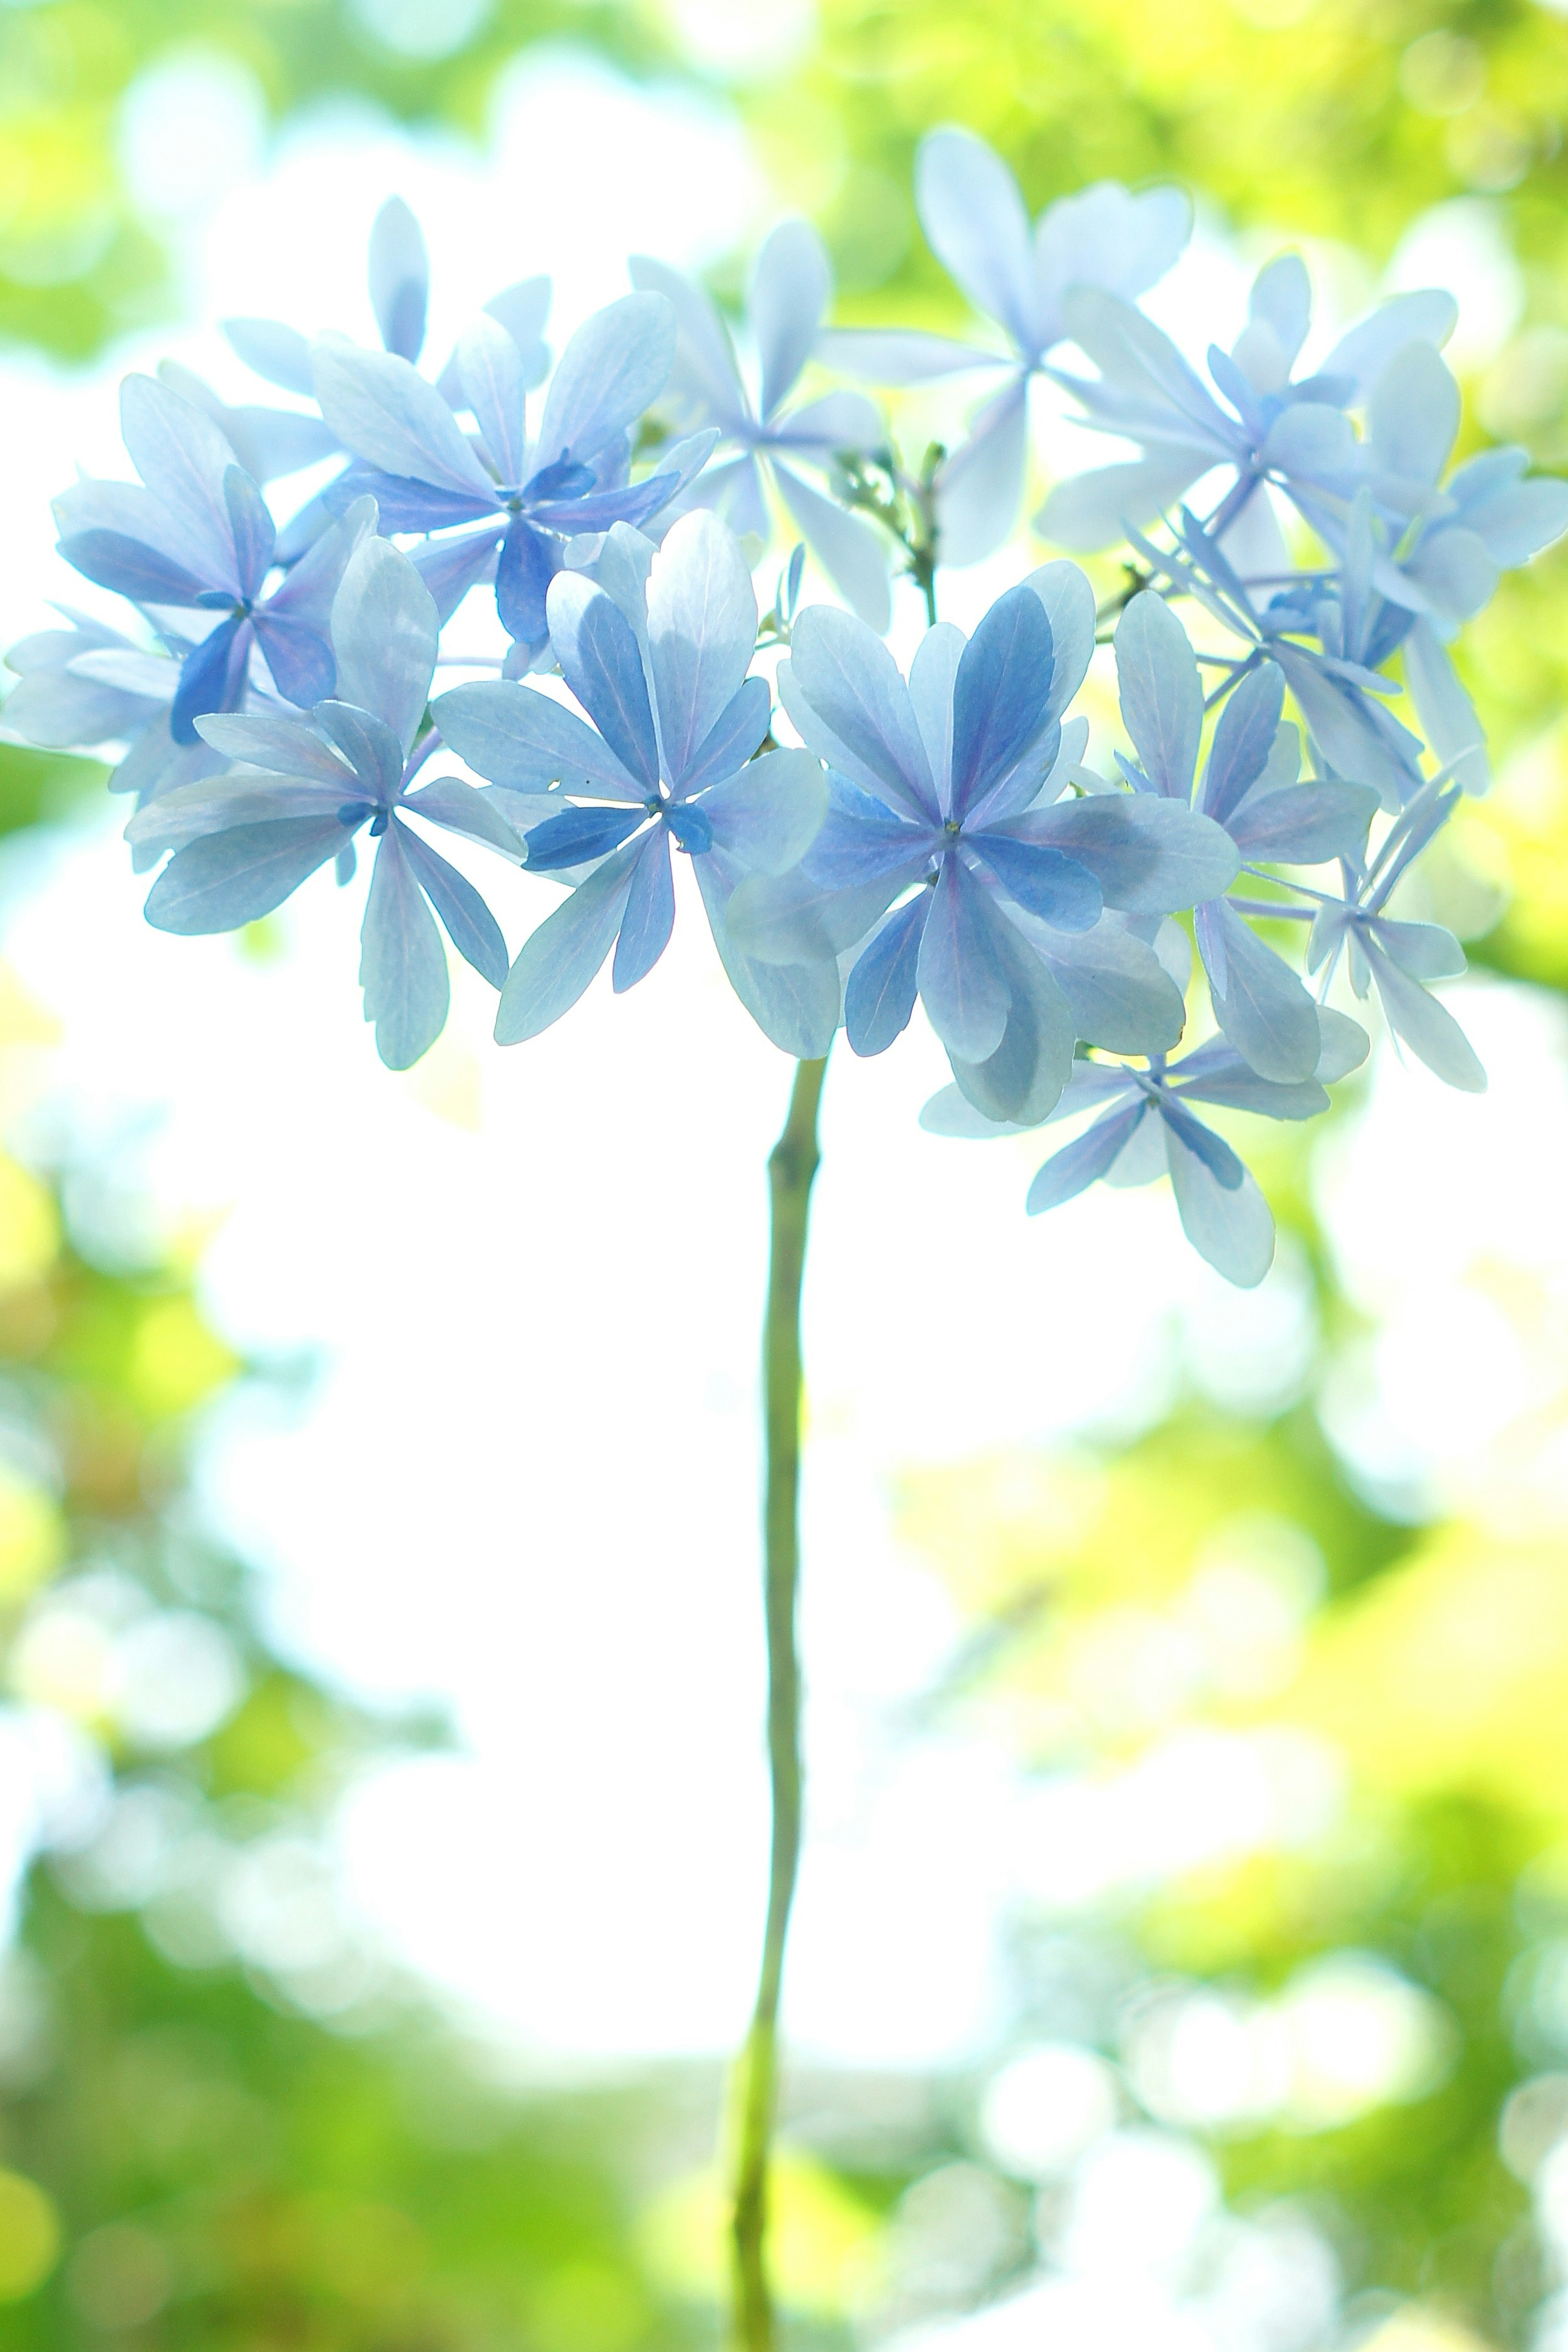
(791, 1168)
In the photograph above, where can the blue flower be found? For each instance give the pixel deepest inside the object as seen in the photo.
(525, 499)
(1396, 956)
(1146, 1128)
(1249, 789)
(199, 538)
(942, 806)
(305, 788)
(975, 222)
(790, 292)
(269, 442)
(656, 654)
(1293, 433)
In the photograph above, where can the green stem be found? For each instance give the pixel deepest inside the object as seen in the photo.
(790, 1166)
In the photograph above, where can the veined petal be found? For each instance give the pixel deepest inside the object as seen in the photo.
(613, 367)
(1000, 690)
(556, 963)
(519, 736)
(795, 1004)
(383, 409)
(1230, 1225)
(385, 634)
(1262, 1007)
(732, 740)
(602, 666)
(879, 995)
(1161, 694)
(1149, 855)
(962, 983)
(980, 486)
(976, 223)
(851, 551)
(1243, 740)
(182, 456)
(402, 963)
(768, 815)
(1083, 1162)
(1044, 882)
(791, 286)
(842, 687)
(701, 632)
(649, 916)
(489, 368)
(226, 879)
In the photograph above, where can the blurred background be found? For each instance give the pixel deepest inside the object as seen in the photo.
(1182, 1957)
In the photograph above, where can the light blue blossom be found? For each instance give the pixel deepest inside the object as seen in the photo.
(1145, 1129)
(947, 787)
(1396, 956)
(525, 499)
(304, 788)
(1249, 788)
(974, 217)
(198, 537)
(763, 441)
(1275, 429)
(656, 654)
(271, 442)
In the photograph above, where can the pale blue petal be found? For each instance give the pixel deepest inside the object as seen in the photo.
(1426, 950)
(705, 370)
(1362, 355)
(602, 664)
(226, 879)
(1121, 995)
(1516, 523)
(1068, 600)
(649, 916)
(182, 456)
(612, 369)
(383, 409)
(701, 633)
(1304, 824)
(470, 926)
(843, 675)
(385, 634)
(732, 738)
(788, 918)
(1024, 1078)
(853, 553)
(1103, 235)
(450, 567)
(999, 696)
(1311, 441)
(1243, 740)
(1453, 573)
(266, 739)
(1081, 1162)
(489, 369)
(1344, 1045)
(897, 356)
(280, 355)
(1413, 419)
(1231, 1227)
(769, 815)
(1429, 1028)
(1140, 365)
(1448, 717)
(879, 995)
(791, 286)
(402, 963)
(1161, 693)
(399, 278)
(1149, 855)
(839, 421)
(962, 983)
(795, 1004)
(1094, 511)
(932, 675)
(976, 223)
(1044, 882)
(186, 813)
(459, 808)
(980, 488)
(519, 736)
(1261, 1005)
(556, 963)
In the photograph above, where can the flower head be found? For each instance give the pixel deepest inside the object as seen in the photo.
(656, 654)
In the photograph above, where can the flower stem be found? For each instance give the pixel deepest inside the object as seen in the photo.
(790, 1166)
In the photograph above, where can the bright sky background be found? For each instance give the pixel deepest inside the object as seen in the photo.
(525, 1481)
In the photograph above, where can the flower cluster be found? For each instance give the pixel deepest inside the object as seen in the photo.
(1298, 558)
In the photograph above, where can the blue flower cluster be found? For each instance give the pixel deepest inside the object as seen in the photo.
(1300, 556)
